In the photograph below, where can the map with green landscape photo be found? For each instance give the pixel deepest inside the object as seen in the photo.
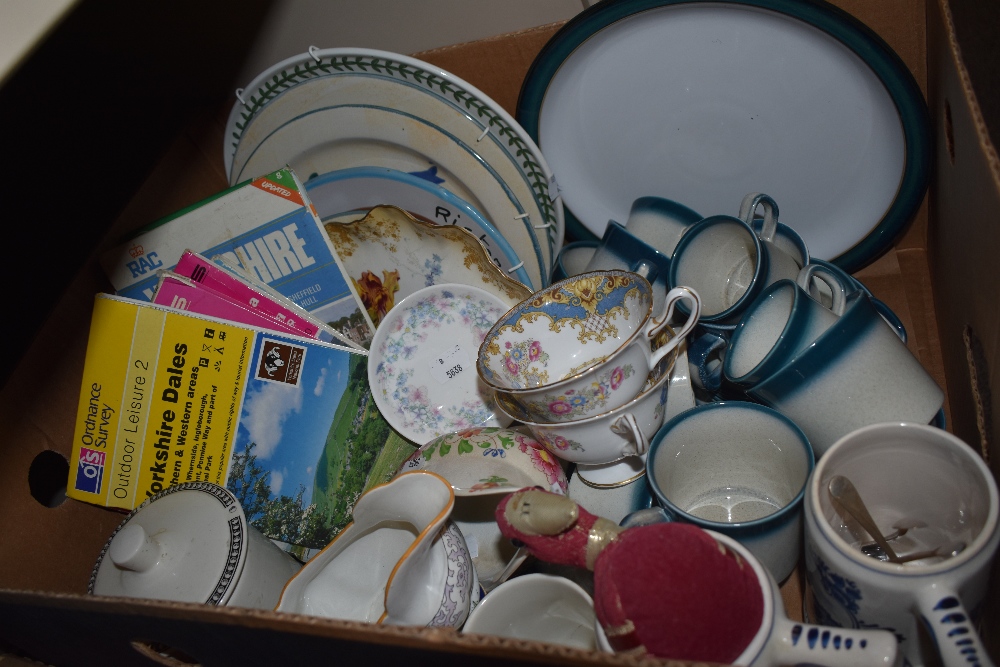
(306, 454)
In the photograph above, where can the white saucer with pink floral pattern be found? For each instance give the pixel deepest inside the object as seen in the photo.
(421, 363)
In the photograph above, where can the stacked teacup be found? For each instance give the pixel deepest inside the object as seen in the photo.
(584, 363)
(831, 369)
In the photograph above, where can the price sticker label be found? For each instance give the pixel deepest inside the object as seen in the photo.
(449, 364)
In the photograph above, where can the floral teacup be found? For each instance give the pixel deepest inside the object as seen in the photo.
(582, 346)
(609, 436)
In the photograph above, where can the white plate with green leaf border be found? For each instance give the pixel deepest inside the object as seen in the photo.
(422, 94)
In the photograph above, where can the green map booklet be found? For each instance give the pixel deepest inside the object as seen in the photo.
(286, 423)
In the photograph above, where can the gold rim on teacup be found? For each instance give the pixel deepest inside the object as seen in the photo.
(605, 317)
(654, 380)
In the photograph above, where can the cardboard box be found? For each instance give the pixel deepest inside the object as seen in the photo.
(941, 278)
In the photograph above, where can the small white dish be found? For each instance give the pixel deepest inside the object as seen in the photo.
(421, 364)
(344, 192)
(537, 607)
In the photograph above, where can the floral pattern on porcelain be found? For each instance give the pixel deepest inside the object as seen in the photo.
(544, 462)
(599, 310)
(519, 363)
(492, 442)
(434, 271)
(557, 443)
(456, 598)
(578, 404)
(412, 254)
(411, 399)
(377, 295)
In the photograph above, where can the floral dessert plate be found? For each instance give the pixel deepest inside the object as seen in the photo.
(483, 465)
(421, 364)
(389, 255)
(332, 138)
(704, 102)
(380, 79)
(363, 188)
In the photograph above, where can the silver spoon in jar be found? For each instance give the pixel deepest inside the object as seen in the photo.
(902, 527)
(846, 497)
(943, 551)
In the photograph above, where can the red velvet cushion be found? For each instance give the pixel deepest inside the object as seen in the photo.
(672, 589)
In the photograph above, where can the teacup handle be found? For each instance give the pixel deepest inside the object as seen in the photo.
(836, 285)
(748, 207)
(705, 355)
(954, 632)
(656, 326)
(627, 425)
(794, 643)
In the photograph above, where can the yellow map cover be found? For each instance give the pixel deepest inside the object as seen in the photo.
(287, 423)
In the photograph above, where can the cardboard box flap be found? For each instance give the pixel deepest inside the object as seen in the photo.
(121, 632)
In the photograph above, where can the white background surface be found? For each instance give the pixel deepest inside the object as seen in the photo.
(402, 26)
(23, 25)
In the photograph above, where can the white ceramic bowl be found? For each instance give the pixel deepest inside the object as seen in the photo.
(537, 607)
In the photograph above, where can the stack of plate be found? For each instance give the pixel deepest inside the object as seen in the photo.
(399, 126)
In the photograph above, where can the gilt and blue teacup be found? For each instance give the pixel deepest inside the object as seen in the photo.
(606, 437)
(582, 346)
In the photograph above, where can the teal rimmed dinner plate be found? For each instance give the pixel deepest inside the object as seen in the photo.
(703, 102)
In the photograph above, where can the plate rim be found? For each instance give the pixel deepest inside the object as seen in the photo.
(849, 31)
(309, 66)
(484, 168)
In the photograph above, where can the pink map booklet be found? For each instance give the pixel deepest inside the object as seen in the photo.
(229, 283)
